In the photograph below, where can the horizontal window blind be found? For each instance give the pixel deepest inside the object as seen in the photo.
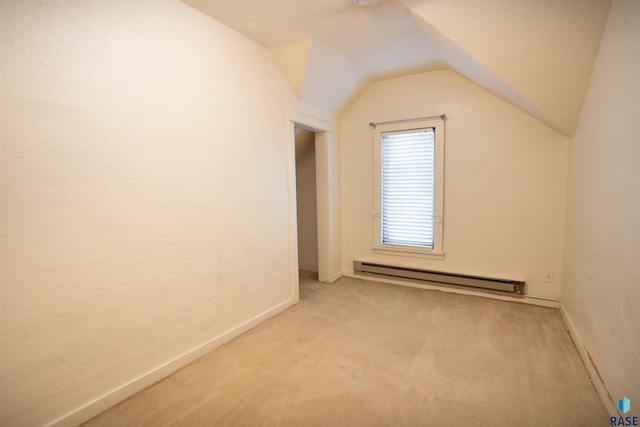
(408, 187)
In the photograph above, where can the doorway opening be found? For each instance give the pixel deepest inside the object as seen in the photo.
(327, 227)
(306, 204)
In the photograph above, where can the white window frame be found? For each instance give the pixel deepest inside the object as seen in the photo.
(405, 250)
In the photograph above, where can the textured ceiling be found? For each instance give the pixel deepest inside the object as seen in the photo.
(536, 54)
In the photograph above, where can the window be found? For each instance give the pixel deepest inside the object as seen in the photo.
(409, 170)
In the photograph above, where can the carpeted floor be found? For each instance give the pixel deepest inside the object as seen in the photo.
(361, 353)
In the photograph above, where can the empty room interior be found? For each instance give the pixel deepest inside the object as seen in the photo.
(320, 212)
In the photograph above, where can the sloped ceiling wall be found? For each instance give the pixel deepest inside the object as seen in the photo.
(536, 54)
(544, 50)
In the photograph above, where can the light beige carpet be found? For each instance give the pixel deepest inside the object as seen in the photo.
(360, 353)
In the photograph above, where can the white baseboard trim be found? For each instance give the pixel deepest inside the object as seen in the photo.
(308, 267)
(531, 300)
(336, 276)
(113, 397)
(596, 379)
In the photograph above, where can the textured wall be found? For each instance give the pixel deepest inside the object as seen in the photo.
(601, 291)
(144, 190)
(504, 188)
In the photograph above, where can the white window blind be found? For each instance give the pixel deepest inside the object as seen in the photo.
(408, 187)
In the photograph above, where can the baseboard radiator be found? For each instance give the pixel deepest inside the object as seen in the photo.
(500, 286)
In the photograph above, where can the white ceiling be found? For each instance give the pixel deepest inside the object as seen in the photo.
(536, 54)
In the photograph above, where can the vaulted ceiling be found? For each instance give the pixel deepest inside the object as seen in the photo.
(535, 54)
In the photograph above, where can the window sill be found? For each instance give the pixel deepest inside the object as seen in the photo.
(407, 251)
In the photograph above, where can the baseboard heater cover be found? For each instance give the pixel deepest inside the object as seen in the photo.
(512, 287)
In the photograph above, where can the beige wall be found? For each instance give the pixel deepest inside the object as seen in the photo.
(306, 200)
(144, 189)
(601, 292)
(504, 180)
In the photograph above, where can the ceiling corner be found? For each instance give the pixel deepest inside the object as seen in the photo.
(293, 61)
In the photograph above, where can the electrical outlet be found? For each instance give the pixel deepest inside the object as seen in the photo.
(548, 277)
